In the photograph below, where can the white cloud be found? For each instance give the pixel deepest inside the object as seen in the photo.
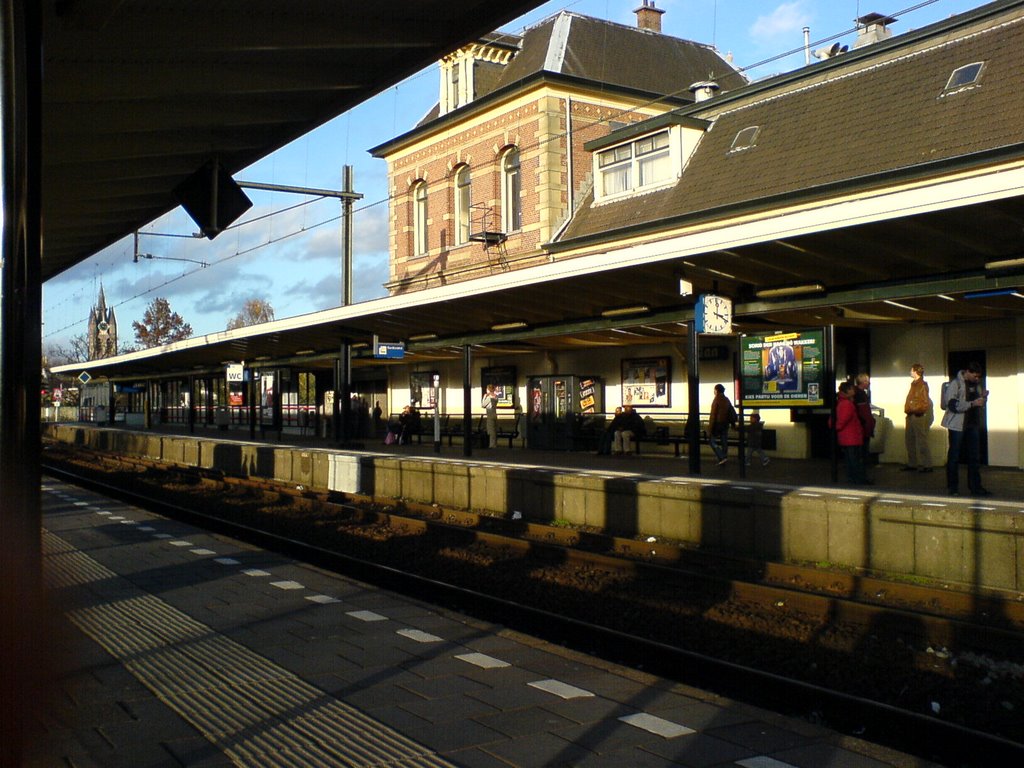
(784, 23)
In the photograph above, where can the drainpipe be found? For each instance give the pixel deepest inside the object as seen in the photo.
(568, 159)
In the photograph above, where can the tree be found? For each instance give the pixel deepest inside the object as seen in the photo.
(254, 312)
(160, 325)
(75, 351)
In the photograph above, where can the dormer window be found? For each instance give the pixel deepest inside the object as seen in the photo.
(652, 160)
(963, 78)
(641, 164)
(644, 157)
(466, 70)
(745, 139)
(457, 94)
(616, 170)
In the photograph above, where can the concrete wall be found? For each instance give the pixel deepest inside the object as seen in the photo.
(977, 547)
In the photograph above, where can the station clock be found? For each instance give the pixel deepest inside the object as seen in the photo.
(713, 314)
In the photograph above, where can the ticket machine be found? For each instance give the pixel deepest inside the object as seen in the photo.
(556, 408)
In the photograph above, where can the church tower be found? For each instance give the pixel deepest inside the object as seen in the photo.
(102, 339)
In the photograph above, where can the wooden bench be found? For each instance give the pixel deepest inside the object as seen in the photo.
(673, 432)
(508, 427)
(452, 426)
(667, 432)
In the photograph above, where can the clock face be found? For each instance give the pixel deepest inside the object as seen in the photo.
(715, 314)
(103, 325)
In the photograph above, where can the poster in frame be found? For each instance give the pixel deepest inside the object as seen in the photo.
(424, 389)
(783, 370)
(503, 377)
(646, 381)
(267, 398)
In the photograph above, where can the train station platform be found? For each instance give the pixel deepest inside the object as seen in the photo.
(185, 648)
(1004, 483)
(791, 510)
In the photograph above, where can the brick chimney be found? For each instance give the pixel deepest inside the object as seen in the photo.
(648, 17)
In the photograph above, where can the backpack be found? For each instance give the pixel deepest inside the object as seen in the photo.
(944, 397)
(733, 419)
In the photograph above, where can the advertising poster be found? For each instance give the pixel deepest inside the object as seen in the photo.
(645, 381)
(503, 377)
(588, 392)
(783, 369)
(424, 389)
(267, 398)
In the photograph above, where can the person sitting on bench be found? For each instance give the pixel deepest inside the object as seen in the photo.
(629, 426)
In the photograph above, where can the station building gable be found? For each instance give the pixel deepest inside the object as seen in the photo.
(497, 167)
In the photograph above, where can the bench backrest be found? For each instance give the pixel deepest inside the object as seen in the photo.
(509, 425)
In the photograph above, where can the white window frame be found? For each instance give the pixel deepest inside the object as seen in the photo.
(649, 151)
(511, 191)
(745, 138)
(420, 234)
(620, 170)
(463, 204)
(956, 87)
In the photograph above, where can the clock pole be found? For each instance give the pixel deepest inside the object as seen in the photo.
(693, 387)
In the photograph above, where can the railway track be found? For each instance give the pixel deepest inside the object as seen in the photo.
(799, 640)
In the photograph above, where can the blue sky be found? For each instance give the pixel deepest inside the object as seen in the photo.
(293, 258)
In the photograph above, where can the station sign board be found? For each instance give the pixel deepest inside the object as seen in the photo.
(235, 374)
(389, 351)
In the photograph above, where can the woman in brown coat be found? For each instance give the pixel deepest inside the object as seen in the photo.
(920, 415)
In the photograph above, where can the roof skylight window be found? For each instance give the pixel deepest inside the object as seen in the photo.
(745, 139)
(964, 77)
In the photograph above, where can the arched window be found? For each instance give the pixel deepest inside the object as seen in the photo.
(511, 209)
(462, 204)
(419, 219)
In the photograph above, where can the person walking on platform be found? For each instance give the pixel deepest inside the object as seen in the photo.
(490, 406)
(962, 400)
(850, 434)
(920, 414)
(723, 415)
(755, 438)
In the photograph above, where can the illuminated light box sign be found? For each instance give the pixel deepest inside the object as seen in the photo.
(783, 369)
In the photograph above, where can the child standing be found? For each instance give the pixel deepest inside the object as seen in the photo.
(755, 433)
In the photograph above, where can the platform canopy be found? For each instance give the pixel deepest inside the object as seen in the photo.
(935, 234)
(139, 95)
